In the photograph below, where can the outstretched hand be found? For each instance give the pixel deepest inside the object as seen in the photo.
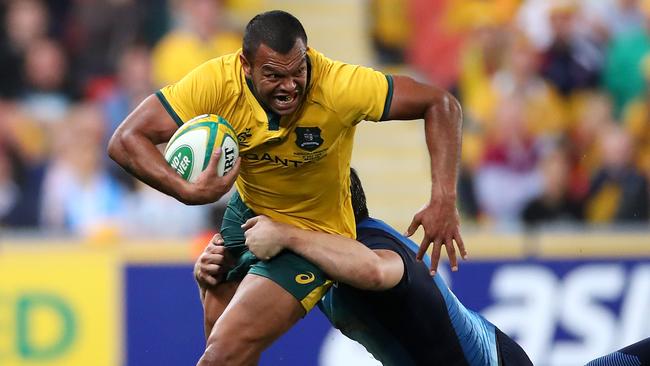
(441, 224)
(209, 186)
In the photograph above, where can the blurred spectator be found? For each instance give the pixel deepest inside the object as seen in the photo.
(97, 32)
(636, 118)
(46, 95)
(516, 79)
(554, 205)
(573, 61)
(432, 39)
(8, 189)
(618, 193)
(622, 75)
(614, 17)
(25, 21)
(133, 83)
(390, 30)
(24, 141)
(594, 116)
(79, 196)
(599, 19)
(507, 178)
(153, 214)
(201, 34)
(545, 110)
(481, 57)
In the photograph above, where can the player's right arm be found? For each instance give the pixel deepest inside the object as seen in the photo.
(343, 259)
(133, 147)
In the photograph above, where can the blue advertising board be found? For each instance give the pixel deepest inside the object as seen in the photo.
(563, 312)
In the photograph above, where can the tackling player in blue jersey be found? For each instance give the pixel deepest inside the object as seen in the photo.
(637, 354)
(386, 299)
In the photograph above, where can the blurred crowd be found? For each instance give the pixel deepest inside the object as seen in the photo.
(555, 95)
(71, 71)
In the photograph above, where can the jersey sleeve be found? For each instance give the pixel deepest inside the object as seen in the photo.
(199, 92)
(360, 93)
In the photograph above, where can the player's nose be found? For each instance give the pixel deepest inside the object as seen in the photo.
(288, 85)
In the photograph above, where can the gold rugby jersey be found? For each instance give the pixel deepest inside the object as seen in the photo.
(295, 169)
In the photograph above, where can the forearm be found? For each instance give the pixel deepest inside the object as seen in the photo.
(443, 134)
(343, 259)
(442, 126)
(141, 158)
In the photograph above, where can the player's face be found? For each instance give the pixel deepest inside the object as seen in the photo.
(279, 80)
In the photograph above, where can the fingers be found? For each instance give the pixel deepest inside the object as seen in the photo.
(461, 247)
(413, 227)
(424, 245)
(451, 254)
(206, 279)
(250, 223)
(217, 240)
(435, 256)
(214, 160)
(211, 269)
(216, 258)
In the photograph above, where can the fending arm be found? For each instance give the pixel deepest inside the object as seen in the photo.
(442, 116)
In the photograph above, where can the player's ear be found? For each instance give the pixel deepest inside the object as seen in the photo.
(245, 65)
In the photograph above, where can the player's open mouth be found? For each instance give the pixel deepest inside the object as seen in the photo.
(285, 101)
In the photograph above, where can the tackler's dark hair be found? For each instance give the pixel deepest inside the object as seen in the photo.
(359, 205)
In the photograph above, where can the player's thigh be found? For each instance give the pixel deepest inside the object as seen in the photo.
(215, 302)
(259, 313)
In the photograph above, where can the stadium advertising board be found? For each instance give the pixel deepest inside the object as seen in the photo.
(59, 308)
(64, 307)
(563, 312)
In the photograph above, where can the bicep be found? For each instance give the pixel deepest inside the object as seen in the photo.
(411, 99)
(391, 266)
(151, 120)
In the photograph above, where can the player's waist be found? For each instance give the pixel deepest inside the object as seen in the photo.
(315, 220)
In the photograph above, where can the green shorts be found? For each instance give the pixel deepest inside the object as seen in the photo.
(306, 282)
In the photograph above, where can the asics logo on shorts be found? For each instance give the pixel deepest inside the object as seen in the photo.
(305, 278)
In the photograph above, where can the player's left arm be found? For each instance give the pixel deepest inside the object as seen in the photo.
(343, 259)
(442, 116)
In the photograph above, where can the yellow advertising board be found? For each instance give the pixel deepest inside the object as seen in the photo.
(60, 307)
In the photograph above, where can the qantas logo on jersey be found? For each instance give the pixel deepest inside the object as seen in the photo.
(273, 159)
(308, 138)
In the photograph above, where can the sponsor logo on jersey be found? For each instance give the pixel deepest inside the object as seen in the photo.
(273, 159)
(243, 136)
(308, 138)
(305, 278)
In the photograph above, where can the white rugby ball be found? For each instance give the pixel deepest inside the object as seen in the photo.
(189, 150)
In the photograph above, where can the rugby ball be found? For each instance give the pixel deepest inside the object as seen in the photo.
(189, 150)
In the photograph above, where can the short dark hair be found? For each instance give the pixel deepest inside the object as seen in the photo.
(277, 29)
(359, 205)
